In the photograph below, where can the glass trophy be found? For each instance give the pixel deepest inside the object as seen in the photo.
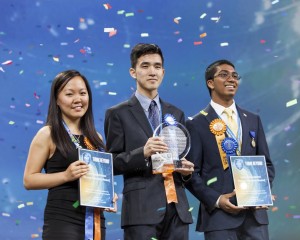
(178, 140)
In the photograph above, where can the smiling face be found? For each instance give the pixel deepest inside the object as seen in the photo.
(73, 99)
(223, 88)
(149, 73)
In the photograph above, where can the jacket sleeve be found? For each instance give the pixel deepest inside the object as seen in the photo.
(123, 161)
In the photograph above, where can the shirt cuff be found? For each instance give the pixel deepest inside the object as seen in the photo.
(217, 203)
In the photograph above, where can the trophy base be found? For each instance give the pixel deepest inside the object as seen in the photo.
(177, 164)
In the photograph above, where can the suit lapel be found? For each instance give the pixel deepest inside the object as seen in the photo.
(245, 128)
(211, 113)
(138, 113)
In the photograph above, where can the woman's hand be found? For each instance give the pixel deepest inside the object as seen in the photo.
(76, 170)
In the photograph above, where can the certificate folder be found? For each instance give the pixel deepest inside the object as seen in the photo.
(251, 181)
(96, 188)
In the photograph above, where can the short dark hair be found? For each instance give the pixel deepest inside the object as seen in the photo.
(142, 49)
(212, 69)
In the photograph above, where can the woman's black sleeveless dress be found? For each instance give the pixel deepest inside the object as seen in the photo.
(63, 221)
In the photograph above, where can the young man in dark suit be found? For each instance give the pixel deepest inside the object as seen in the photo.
(212, 183)
(146, 211)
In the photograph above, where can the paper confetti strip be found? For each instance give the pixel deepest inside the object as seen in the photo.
(291, 103)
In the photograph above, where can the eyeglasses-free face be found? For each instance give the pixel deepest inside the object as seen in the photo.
(226, 75)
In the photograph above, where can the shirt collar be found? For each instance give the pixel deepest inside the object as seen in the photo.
(219, 108)
(145, 101)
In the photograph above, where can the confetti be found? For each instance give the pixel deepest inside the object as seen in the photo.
(5, 181)
(64, 44)
(212, 180)
(110, 223)
(144, 34)
(11, 122)
(39, 122)
(1, 69)
(120, 12)
(112, 33)
(202, 35)
(129, 14)
(112, 93)
(291, 103)
(56, 59)
(203, 15)
(76, 204)
(176, 20)
(5, 214)
(8, 62)
(179, 40)
(107, 30)
(36, 96)
(126, 45)
(197, 43)
(27, 105)
(77, 40)
(216, 19)
(107, 6)
(35, 235)
(70, 56)
(110, 64)
(87, 49)
(22, 205)
(70, 28)
(262, 41)
(275, 1)
(274, 209)
(224, 44)
(191, 209)
(161, 209)
(29, 203)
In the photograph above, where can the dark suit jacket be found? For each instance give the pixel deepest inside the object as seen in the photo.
(205, 155)
(127, 130)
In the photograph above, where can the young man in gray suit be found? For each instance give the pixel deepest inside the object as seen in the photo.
(212, 183)
(146, 211)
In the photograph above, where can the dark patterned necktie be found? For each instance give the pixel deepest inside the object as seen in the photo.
(153, 114)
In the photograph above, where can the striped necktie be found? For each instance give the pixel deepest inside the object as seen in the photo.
(153, 114)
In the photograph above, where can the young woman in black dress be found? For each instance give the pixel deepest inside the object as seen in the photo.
(70, 124)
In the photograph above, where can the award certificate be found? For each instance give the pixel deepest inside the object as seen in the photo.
(96, 188)
(251, 181)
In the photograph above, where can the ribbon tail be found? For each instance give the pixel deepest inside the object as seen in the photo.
(89, 223)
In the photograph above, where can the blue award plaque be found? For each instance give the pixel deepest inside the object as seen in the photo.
(96, 188)
(251, 181)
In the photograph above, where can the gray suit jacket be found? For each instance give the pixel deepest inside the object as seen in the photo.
(205, 155)
(127, 130)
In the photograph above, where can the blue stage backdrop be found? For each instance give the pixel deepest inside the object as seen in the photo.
(39, 38)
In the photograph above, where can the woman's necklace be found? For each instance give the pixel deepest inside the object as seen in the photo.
(74, 139)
